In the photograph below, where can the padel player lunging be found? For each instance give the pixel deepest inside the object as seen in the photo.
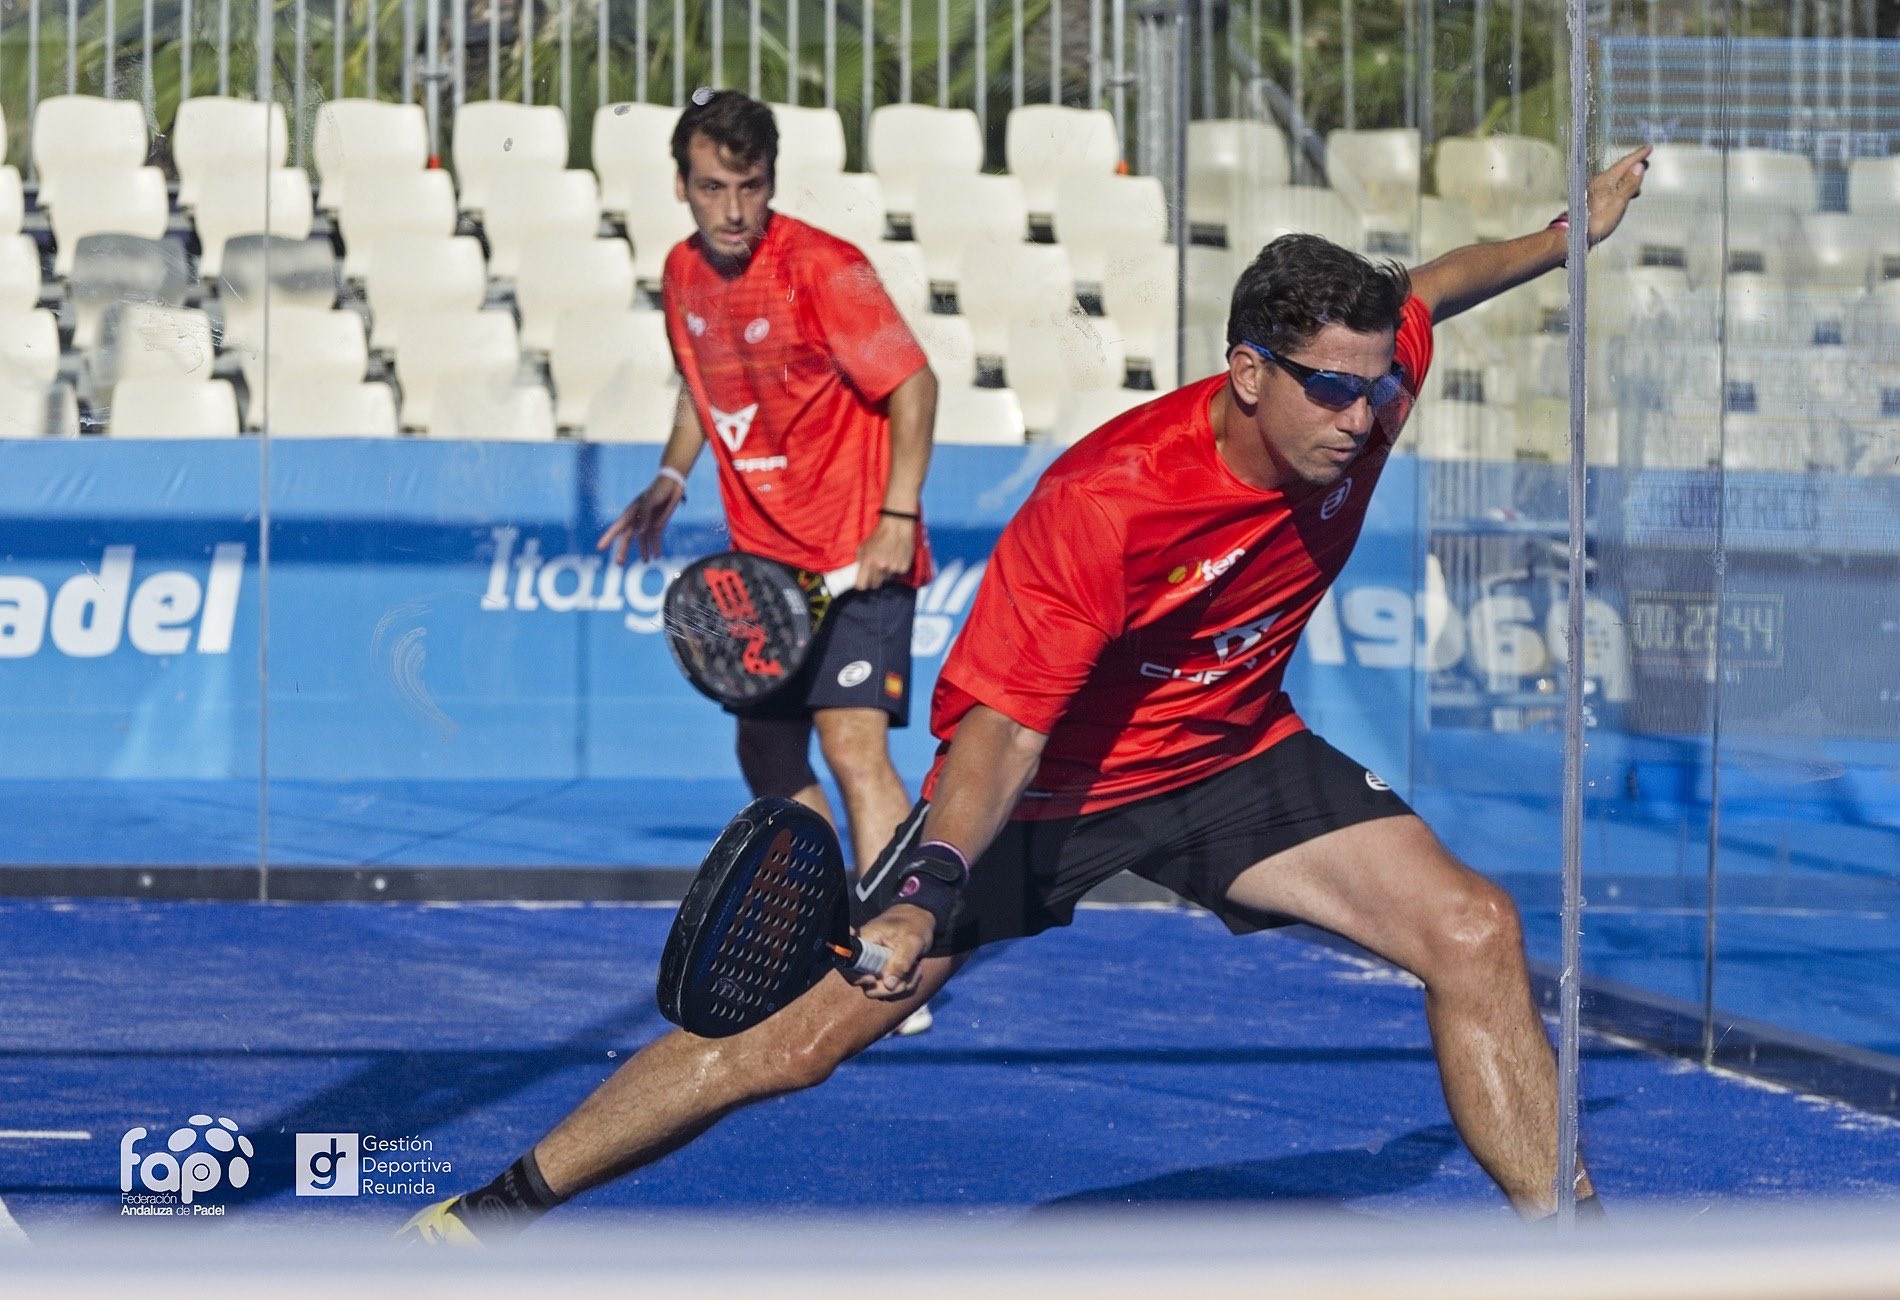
(1115, 702)
(820, 405)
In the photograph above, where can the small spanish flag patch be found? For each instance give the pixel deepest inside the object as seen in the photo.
(894, 686)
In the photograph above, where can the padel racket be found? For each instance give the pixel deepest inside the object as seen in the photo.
(741, 626)
(766, 917)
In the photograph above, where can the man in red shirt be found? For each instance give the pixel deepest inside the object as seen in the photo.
(1115, 703)
(820, 404)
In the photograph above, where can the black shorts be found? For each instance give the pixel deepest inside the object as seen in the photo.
(1195, 841)
(861, 660)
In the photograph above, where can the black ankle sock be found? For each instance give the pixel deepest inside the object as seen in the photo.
(510, 1203)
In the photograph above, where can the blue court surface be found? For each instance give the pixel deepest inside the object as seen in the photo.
(1141, 1058)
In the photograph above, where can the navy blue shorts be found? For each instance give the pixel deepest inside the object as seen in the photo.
(861, 660)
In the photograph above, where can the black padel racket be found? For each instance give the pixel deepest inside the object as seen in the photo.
(766, 917)
(741, 626)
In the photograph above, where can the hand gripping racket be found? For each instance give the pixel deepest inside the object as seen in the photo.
(741, 626)
(766, 917)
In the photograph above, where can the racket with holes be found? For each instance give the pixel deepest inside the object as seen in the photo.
(766, 917)
(741, 626)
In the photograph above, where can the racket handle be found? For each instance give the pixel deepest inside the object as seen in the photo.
(871, 958)
(839, 581)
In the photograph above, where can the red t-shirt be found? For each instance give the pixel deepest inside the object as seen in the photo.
(1141, 608)
(790, 364)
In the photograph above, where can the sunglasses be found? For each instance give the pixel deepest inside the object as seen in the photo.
(1337, 390)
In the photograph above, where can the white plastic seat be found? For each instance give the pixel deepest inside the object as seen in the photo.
(632, 145)
(309, 406)
(165, 406)
(109, 270)
(900, 266)
(954, 212)
(129, 201)
(141, 340)
(1873, 187)
(12, 200)
(655, 218)
(1770, 178)
(1044, 143)
(216, 133)
(32, 410)
(1013, 282)
(392, 203)
(365, 135)
(849, 205)
(1842, 249)
(415, 275)
(495, 141)
(1376, 171)
(1290, 209)
(558, 276)
(1228, 160)
(633, 408)
(1050, 359)
(19, 272)
(474, 350)
(556, 205)
(593, 347)
(84, 133)
(29, 347)
(978, 417)
(1684, 172)
(810, 140)
(1096, 216)
(491, 411)
(1085, 412)
(1491, 176)
(234, 201)
(1139, 293)
(910, 142)
(304, 344)
(949, 346)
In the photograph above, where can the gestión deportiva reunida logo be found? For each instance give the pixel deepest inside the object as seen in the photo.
(187, 1173)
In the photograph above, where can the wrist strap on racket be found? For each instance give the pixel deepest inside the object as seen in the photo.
(931, 877)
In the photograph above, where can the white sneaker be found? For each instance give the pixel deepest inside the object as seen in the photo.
(916, 1022)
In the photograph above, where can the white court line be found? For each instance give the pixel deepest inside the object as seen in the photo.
(44, 1135)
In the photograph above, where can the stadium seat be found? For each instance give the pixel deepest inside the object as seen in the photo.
(19, 272)
(464, 350)
(558, 276)
(1375, 171)
(216, 133)
(29, 347)
(413, 275)
(365, 135)
(260, 269)
(558, 205)
(594, 346)
(1050, 359)
(1097, 217)
(1684, 173)
(950, 346)
(390, 203)
(84, 133)
(1289, 209)
(1771, 179)
(303, 344)
(632, 408)
(1228, 160)
(1044, 143)
(632, 148)
(810, 140)
(954, 212)
(1873, 187)
(1139, 293)
(32, 410)
(1491, 176)
(1841, 249)
(1651, 297)
(1210, 293)
(984, 417)
(127, 201)
(1461, 431)
(493, 411)
(655, 219)
(496, 140)
(108, 270)
(144, 340)
(1085, 412)
(165, 406)
(905, 275)
(1442, 226)
(12, 201)
(910, 142)
(234, 201)
(1013, 282)
(309, 407)
(849, 205)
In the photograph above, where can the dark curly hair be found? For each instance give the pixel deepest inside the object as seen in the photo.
(742, 128)
(1300, 283)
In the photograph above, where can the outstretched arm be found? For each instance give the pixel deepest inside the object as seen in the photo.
(644, 519)
(1476, 273)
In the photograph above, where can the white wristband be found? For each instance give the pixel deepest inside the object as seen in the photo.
(667, 471)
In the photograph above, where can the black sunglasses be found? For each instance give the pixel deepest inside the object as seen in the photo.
(1334, 389)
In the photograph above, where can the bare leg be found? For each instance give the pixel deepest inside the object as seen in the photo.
(775, 757)
(856, 745)
(677, 1087)
(1390, 886)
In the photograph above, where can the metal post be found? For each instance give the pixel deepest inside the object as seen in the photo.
(1016, 55)
(1296, 37)
(567, 59)
(458, 40)
(1118, 56)
(752, 52)
(1055, 51)
(791, 52)
(146, 91)
(527, 51)
(266, 42)
(32, 76)
(869, 61)
(371, 41)
(299, 95)
(338, 28)
(943, 53)
(432, 74)
(980, 82)
(1480, 44)
(1428, 69)
(1350, 79)
(108, 80)
(679, 54)
(1208, 87)
(831, 54)
(1411, 62)
(718, 77)
(1517, 67)
(640, 18)
(1095, 53)
(903, 51)
(408, 51)
(603, 43)
(494, 51)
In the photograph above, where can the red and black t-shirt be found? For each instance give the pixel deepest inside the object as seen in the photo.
(1141, 608)
(790, 364)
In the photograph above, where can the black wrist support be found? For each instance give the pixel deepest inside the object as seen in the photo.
(931, 876)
